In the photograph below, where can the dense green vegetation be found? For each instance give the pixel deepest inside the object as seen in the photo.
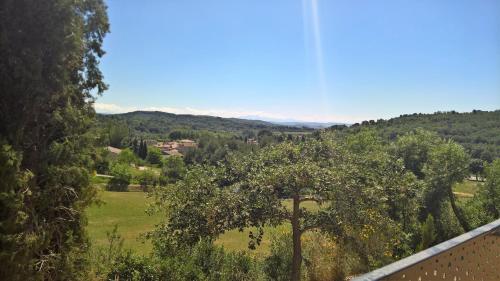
(254, 191)
(478, 131)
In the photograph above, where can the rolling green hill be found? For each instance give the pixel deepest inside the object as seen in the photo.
(478, 131)
(154, 122)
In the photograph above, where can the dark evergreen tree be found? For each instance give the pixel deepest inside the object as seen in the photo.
(476, 167)
(49, 75)
(135, 147)
(143, 149)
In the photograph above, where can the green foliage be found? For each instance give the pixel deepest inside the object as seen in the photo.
(448, 164)
(102, 258)
(161, 123)
(247, 192)
(374, 201)
(427, 233)
(477, 131)
(184, 134)
(324, 259)
(48, 81)
(147, 179)
(278, 265)
(128, 266)
(414, 148)
(154, 156)
(13, 183)
(370, 194)
(173, 169)
(476, 167)
(121, 177)
(202, 262)
(215, 148)
(142, 150)
(127, 157)
(490, 192)
(102, 161)
(117, 133)
(194, 210)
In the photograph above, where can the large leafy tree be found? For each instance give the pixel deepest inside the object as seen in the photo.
(476, 167)
(300, 173)
(447, 164)
(49, 77)
(413, 148)
(248, 192)
(251, 191)
(373, 203)
(490, 191)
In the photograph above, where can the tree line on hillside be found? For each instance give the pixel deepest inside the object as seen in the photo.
(478, 131)
(157, 124)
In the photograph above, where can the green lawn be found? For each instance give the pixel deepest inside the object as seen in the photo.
(467, 186)
(465, 190)
(99, 180)
(127, 210)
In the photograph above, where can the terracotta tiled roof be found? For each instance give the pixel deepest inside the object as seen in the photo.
(114, 150)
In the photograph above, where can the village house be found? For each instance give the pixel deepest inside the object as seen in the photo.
(113, 150)
(252, 141)
(176, 148)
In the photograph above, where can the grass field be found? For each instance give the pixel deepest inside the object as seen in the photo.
(127, 211)
(467, 187)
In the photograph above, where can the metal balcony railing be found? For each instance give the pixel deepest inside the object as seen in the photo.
(474, 255)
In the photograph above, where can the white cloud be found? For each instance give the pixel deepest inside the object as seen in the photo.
(111, 108)
(248, 114)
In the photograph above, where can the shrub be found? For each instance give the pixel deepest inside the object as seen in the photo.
(127, 157)
(154, 156)
(121, 178)
(278, 265)
(428, 233)
(173, 170)
(130, 267)
(323, 258)
(147, 179)
(204, 261)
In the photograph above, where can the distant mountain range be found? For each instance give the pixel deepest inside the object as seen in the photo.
(294, 123)
(312, 125)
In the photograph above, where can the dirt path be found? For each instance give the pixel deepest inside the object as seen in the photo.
(463, 194)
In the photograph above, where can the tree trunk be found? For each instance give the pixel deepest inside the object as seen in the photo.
(296, 233)
(458, 212)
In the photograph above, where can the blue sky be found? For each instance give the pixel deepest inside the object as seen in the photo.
(309, 60)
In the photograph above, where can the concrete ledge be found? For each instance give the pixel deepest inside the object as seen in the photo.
(386, 271)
